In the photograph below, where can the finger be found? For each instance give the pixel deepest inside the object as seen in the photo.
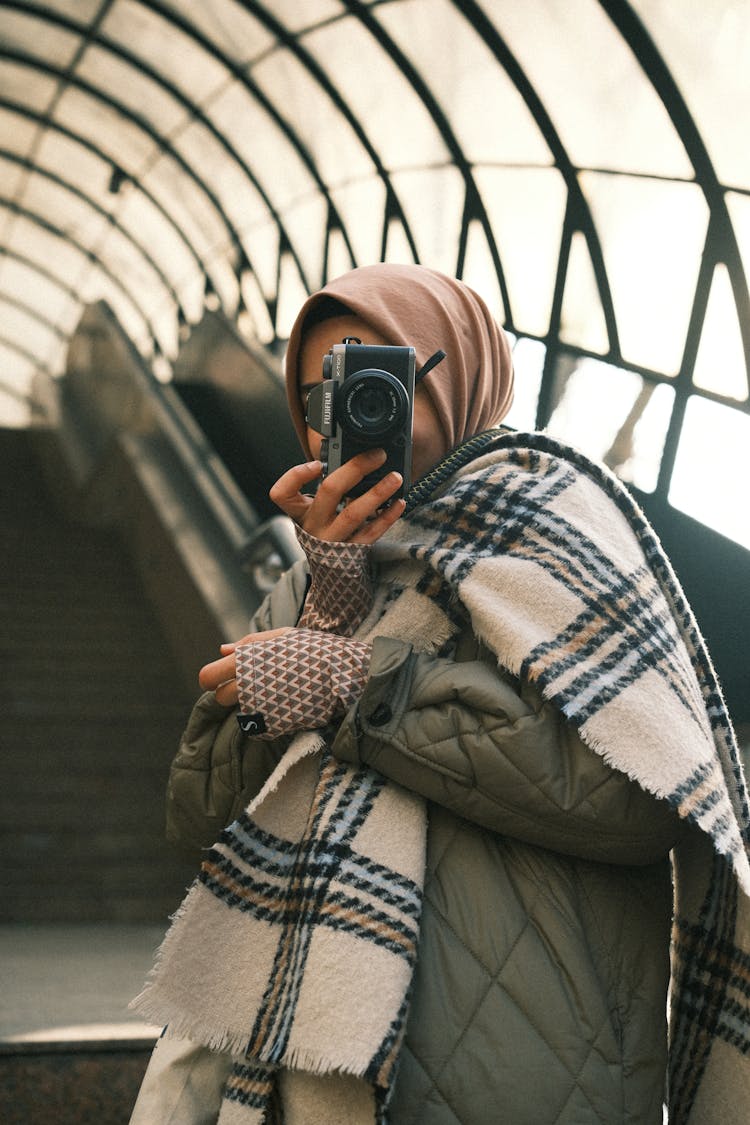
(229, 647)
(328, 498)
(355, 515)
(212, 675)
(216, 675)
(287, 492)
(265, 635)
(378, 526)
(227, 693)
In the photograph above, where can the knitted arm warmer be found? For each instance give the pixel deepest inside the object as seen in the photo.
(340, 594)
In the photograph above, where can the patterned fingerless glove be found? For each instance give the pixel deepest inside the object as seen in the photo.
(301, 680)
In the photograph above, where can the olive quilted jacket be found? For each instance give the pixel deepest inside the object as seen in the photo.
(541, 987)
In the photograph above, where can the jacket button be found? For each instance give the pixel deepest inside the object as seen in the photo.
(381, 715)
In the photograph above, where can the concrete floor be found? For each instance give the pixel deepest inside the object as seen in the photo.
(73, 983)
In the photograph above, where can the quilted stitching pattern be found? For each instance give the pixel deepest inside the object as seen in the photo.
(517, 970)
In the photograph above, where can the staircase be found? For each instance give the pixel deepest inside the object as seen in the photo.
(91, 713)
(91, 709)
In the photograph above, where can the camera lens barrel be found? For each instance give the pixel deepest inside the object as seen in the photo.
(372, 404)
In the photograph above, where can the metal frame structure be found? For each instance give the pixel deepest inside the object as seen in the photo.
(236, 250)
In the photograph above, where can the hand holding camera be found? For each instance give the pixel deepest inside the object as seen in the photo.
(364, 410)
(328, 515)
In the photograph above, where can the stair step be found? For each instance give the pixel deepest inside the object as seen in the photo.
(69, 1086)
(92, 710)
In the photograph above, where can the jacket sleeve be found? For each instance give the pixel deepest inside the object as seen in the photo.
(217, 769)
(216, 772)
(464, 737)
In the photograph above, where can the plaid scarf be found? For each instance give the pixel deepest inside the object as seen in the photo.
(296, 944)
(295, 947)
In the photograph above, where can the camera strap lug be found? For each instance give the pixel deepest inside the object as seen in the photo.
(427, 367)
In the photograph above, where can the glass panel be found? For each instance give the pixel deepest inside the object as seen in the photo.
(262, 327)
(228, 181)
(604, 108)
(225, 283)
(16, 375)
(33, 242)
(127, 144)
(57, 359)
(64, 210)
(636, 456)
(528, 364)
(479, 270)
(29, 332)
(292, 295)
(271, 156)
(236, 33)
(582, 317)
(399, 126)
(17, 133)
(40, 38)
(262, 243)
(707, 48)
(132, 88)
(339, 259)
(526, 208)
(161, 369)
(187, 203)
(712, 468)
(397, 248)
(39, 292)
(97, 286)
(614, 416)
(652, 236)
(433, 201)
(720, 363)
(361, 207)
(38, 89)
(166, 48)
(329, 138)
(76, 164)
(739, 211)
(306, 226)
(485, 109)
(138, 215)
(11, 178)
(165, 330)
(190, 293)
(129, 264)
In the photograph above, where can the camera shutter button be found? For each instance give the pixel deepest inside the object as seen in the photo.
(381, 715)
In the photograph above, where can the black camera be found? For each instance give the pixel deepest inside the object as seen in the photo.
(366, 401)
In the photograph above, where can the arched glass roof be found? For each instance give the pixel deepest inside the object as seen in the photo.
(582, 163)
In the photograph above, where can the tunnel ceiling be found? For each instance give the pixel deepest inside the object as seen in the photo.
(583, 163)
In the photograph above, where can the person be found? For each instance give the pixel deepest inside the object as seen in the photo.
(517, 717)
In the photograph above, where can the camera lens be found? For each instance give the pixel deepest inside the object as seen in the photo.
(373, 404)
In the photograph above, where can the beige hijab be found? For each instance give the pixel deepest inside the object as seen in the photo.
(471, 390)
